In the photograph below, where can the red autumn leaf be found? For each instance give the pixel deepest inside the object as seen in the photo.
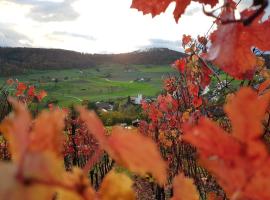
(197, 102)
(186, 39)
(239, 159)
(31, 91)
(156, 7)
(193, 89)
(41, 95)
(206, 76)
(21, 87)
(166, 103)
(170, 84)
(231, 46)
(184, 189)
(180, 65)
(202, 40)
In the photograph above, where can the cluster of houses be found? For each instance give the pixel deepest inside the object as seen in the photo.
(108, 106)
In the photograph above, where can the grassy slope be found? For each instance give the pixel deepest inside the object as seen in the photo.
(109, 82)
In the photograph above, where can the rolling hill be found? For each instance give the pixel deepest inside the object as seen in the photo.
(21, 60)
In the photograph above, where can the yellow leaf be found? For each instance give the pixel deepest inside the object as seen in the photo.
(80, 188)
(184, 189)
(11, 188)
(116, 186)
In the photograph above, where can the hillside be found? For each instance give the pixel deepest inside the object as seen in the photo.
(20, 60)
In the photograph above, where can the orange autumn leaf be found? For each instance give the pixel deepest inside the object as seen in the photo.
(80, 184)
(116, 186)
(231, 46)
(184, 189)
(37, 172)
(156, 7)
(137, 153)
(264, 86)
(21, 87)
(12, 189)
(41, 95)
(246, 111)
(207, 135)
(42, 166)
(16, 129)
(239, 159)
(49, 138)
(94, 125)
(130, 149)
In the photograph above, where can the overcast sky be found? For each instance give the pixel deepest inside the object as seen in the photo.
(94, 26)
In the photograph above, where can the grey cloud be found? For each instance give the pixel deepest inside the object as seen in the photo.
(160, 43)
(11, 38)
(63, 33)
(48, 11)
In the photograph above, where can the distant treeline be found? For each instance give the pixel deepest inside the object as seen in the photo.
(20, 60)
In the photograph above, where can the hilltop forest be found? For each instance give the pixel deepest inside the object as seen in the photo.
(20, 60)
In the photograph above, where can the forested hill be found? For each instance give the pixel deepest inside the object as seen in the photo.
(20, 60)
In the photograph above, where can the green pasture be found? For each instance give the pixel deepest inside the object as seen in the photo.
(71, 86)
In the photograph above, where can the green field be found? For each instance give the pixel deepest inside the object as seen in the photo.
(102, 83)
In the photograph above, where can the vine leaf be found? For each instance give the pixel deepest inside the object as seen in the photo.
(37, 169)
(232, 43)
(116, 186)
(239, 159)
(156, 7)
(16, 130)
(184, 189)
(129, 148)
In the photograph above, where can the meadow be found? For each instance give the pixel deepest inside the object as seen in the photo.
(72, 86)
